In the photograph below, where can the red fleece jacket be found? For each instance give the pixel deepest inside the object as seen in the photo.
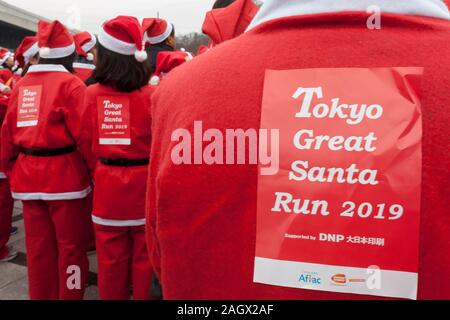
(203, 218)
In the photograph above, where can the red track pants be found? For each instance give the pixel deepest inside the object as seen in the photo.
(56, 240)
(123, 263)
(6, 210)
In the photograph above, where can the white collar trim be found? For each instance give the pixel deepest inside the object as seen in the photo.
(47, 68)
(84, 65)
(275, 9)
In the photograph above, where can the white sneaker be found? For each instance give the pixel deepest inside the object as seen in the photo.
(11, 256)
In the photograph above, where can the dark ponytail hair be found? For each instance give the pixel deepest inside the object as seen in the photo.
(120, 72)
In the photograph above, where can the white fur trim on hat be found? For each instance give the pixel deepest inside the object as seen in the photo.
(162, 37)
(31, 52)
(90, 45)
(55, 53)
(116, 45)
(6, 57)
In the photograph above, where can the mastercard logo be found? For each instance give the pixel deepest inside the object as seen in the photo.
(339, 278)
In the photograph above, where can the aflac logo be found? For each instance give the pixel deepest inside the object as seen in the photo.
(310, 278)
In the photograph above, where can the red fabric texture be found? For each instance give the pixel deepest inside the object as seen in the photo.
(24, 46)
(62, 122)
(154, 27)
(126, 29)
(56, 238)
(83, 73)
(6, 211)
(112, 196)
(168, 60)
(53, 35)
(81, 39)
(5, 75)
(227, 23)
(123, 263)
(203, 218)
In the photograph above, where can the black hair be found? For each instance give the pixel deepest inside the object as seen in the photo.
(28, 65)
(120, 72)
(67, 62)
(25, 70)
(222, 3)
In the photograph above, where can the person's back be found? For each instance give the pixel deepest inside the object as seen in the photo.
(110, 179)
(119, 103)
(53, 84)
(46, 151)
(204, 216)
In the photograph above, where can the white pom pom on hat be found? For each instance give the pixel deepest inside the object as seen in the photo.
(155, 80)
(90, 57)
(44, 52)
(141, 55)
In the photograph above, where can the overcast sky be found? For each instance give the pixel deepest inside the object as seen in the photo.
(186, 15)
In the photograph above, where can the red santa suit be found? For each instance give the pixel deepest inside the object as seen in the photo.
(5, 73)
(6, 201)
(120, 175)
(6, 76)
(85, 42)
(45, 148)
(203, 218)
(227, 23)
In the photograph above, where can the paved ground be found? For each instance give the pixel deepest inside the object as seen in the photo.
(13, 275)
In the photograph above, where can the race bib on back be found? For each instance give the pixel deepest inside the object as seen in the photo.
(343, 212)
(114, 120)
(28, 106)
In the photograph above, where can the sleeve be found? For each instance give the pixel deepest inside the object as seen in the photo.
(8, 150)
(79, 123)
(151, 207)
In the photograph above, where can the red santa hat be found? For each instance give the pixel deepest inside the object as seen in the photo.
(202, 49)
(5, 54)
(167, 61)
(54, 40)
(123, 35)
(156, 30)
(85, 42)
(27, 49)
(227, 23)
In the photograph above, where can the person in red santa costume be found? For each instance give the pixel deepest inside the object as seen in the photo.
(10, 71)
(227, 21)
(84, 65)
(6, 201)
(6, 65)
(160, 34)
(46, 152)
(27, 53)
(120, 106)
(204, 236)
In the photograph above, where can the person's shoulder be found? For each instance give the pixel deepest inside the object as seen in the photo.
(95, 90)
(147, 90)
